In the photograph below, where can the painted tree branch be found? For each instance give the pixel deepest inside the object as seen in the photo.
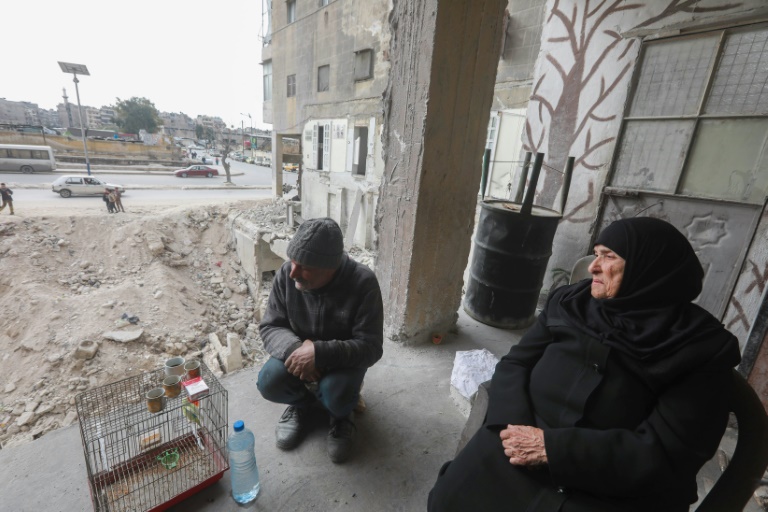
(601, 58)
(592, 149)
(568, 24)
(603, 95)
(557, 66)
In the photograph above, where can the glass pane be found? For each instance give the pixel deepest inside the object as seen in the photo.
(740, 85)
(728, 160)
(673, 76)
(651, 154)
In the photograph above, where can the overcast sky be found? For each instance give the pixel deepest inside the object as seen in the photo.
(192, 56)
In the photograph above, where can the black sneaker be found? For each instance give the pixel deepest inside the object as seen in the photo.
(340, 438)
(291, 427)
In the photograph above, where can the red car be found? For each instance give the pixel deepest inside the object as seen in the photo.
(196, 170)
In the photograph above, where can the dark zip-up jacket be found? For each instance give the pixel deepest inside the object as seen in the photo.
(344, 319)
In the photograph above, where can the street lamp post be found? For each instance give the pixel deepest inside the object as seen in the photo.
(76, 69)
(250, 134)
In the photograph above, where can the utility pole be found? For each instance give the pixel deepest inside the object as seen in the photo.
(68, 67)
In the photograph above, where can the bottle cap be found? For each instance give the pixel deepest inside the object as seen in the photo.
(239, 425)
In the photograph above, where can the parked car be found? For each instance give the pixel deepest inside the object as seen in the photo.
(82, 185)
(196, 170)
(290, 167)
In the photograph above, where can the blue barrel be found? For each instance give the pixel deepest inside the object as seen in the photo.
(509, 261)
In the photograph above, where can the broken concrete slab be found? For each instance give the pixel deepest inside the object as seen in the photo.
(230, 357)
(25, 418)
(86, 349)
(155, 243)
(70, 418)
(123, 336)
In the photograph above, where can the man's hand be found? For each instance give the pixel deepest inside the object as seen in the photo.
(301, 362)
(524, 445)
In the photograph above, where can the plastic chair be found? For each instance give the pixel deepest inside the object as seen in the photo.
(743, 474)
(580, 269)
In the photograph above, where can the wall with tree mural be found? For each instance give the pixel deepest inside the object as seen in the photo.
(589, 52)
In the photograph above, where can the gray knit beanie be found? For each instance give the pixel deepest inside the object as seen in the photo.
(317, 243)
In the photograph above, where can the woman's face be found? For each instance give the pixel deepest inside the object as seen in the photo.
(607, 271)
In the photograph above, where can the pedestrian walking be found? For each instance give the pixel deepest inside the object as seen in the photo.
(217, 160)
(6, 195)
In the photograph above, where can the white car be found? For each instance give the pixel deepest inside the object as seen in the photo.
(82, 185)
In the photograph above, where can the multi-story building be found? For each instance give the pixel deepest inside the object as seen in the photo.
(325, 68)
(18, 112)
(49, 117)
(177, 125)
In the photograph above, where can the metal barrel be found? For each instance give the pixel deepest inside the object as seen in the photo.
(508, 264)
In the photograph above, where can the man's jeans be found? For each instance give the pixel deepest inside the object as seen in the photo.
(337, 390)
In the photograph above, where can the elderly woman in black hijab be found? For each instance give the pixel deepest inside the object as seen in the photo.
(613, 400)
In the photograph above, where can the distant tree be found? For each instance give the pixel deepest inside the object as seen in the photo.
(136, 114)
(199, 131)
(209, 134)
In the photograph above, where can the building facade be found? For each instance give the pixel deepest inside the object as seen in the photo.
(325, 70)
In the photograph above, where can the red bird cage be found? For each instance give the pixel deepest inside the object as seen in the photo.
(139, 460)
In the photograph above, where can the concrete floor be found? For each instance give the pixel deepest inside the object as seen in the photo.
(411, 427)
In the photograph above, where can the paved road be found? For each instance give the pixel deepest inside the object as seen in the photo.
(32, 192)
(242, 174)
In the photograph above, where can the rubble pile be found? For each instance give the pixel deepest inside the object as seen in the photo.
(94, 299)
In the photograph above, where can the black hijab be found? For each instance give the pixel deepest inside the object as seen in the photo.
(652, 314)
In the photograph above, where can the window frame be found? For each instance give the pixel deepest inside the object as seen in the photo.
(328, 78)
(359, 77)
(698, 118)
(290, 83)
(266, 80)
(290, 8)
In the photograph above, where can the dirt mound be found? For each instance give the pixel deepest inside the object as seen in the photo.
(168, 278)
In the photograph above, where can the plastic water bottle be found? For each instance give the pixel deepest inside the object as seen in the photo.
(244, 472)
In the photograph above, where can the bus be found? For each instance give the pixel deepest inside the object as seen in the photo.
(26, 159)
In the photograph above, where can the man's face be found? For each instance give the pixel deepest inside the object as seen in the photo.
(310, 278)
(607, 272)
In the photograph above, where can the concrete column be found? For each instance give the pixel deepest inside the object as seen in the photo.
(277, 165)
(437, 104)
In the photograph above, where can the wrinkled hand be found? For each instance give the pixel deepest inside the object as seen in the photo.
(301, 362)
(524, 445)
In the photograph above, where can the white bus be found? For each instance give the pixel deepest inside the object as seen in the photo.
(26, 159)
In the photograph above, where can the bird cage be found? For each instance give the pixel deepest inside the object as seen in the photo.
(142, 461)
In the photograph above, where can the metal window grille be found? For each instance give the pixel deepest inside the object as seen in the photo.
(123, 441)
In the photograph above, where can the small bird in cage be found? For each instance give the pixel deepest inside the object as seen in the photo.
(191, 411)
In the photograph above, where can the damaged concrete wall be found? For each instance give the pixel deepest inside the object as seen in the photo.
(337, 191)
(333, 35)
(521, 41)
(437, 105)
(326, 35)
